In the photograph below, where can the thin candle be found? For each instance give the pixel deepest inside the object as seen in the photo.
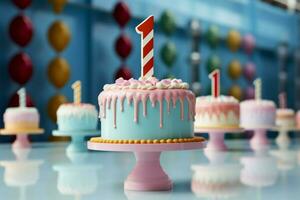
(22, 97)
(282, 100)
(145, 29)
(76, 86)
(257, 85)
(215, 83)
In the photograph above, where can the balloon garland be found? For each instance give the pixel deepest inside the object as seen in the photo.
(20, 66)
(168, 52)
(195, 32)
(58, 69)
(123, 46)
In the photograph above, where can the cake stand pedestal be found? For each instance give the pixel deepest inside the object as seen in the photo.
(283, 140)
(147, 174)
(259, 140)
(22, 140)
(77, 139)
(216, 137)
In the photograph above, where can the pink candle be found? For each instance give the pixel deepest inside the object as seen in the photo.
(145, 29)
(282, 100)
(215, 83)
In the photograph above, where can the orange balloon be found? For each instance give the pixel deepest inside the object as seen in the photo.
(59, 36)
(236, 92)
(58, 72)
(234, 69)
(234, 40)
(58, 5)
(53, 105)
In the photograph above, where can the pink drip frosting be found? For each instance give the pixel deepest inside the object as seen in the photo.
(108, 97)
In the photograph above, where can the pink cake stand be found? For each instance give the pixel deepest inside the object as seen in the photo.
(259, 140)
(147, 174)
(283, 140)
(216, 137)
(22, 140)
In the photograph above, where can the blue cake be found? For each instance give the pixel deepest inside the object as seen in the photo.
(146, 111)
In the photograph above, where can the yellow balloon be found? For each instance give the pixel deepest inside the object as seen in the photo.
(234, 40)
(59, 35)
(58, 5)
(53, 105)
(234, 69)
(236, 92)
(58, 72)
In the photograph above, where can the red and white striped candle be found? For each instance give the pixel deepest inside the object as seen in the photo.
(215, 83)
(145, 29)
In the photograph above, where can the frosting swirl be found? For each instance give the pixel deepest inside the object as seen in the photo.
(146, 84)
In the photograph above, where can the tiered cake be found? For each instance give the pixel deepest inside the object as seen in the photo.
(258, 113)
(77, 117)
(147, 111)
(217, 112)
(21, 118)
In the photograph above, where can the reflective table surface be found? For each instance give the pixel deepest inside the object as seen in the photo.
(46, 172)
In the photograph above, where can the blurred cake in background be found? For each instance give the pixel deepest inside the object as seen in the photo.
(285, 117)
(298, 119)
(257, 113)
(77, 117)
(217, 112)
(147, 110)
(21, 118)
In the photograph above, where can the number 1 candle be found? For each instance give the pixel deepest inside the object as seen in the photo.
(76, 86)
(145, 29)
(257, 85)
(282, 100)
(22, 97)
(215, 83)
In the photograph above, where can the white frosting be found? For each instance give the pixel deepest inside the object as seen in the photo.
(220, 99)
(285, 112)
(76, 110)
(21, 114)
(146, 84)
(255, 102)
(214, 120)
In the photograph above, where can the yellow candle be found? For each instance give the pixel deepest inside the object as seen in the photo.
(257, 85)
(76, 86)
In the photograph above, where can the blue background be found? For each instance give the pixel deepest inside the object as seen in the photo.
(93, 60)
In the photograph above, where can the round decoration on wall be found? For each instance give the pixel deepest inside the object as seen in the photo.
(249, 71)
(58, 72)
(249, 92)
(123, 45)
(21, 30)
(167, 22)
(20, 68)
(234, 69)
(22, 4)
(59, 35)
(58, 5)
(213, 63)
(234, 40)
(236, 91)
(212, 36)
(248, 43)
(168, 54)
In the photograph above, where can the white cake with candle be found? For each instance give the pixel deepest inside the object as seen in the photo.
(21, 118)
(77, 116)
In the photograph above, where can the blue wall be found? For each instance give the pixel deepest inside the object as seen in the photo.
(91, 51)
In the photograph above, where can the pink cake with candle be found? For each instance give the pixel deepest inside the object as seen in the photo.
(285, 117)
(257, 113)
(298, 119)
(21, 118)
(147, 110)
(217, 112)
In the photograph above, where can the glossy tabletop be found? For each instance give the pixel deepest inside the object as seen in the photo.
(46, 172)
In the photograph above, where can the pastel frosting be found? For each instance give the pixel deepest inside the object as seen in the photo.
(222, 111)
(21, 118)
(146, 109)
(285, 117)
(77, 117)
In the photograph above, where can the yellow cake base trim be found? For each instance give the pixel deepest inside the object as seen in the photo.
(155, 141)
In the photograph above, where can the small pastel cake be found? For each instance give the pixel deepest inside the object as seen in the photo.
(21, 118)
(77, 117)
(144, 110)
(220, 112)
(257, 114)
(285, 117)
(298, 119)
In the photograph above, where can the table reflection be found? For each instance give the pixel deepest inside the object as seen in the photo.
(78, 176)
(21, 172)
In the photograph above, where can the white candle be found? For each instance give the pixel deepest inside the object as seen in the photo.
(257, 85)
(22, 97)
(76, 86)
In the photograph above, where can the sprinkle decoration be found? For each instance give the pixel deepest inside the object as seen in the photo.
(145, 29)
(215, 83)
(155, 141)
(76, 86)
(257, 85)
(22, 97)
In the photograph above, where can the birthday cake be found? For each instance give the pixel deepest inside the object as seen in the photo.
(257, 113)
(298, 119)
(285, 117)
(21, 118)
(77, 117)
(147, 111)
(222, 111)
